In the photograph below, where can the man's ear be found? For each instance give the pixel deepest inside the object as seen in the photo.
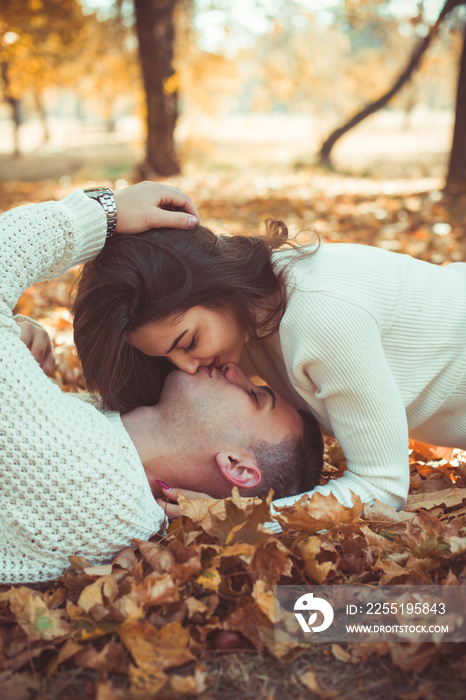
(240, 469)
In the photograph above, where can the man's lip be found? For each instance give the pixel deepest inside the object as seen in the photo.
(206, 370)
(217, 362)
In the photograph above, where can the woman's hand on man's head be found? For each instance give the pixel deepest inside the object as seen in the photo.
(170, 505)
(153, 205)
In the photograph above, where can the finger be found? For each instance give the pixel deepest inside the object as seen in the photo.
(162, 218)
(173, 493)
(48, 364)
(39, 348)
(178, 199)
(171, 510)
(170, 493)
(26, 334)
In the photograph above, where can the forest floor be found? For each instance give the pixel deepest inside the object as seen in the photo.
(208, 577)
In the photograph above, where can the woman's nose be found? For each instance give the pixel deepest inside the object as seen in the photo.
(187, 364)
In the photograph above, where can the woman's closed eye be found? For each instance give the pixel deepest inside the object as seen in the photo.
(254, 396)
(192, 346)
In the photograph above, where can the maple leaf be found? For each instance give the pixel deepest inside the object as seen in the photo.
(33, 615)
(158, 557)
(186, 561)
(104, 590)
(270, 561)
(446, 497)
(310, 515)
(155, 650)
(248, 620)
(319, 558)
(112, 658)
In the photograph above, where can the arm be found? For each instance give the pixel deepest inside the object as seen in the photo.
(71, 480)
(336, 361)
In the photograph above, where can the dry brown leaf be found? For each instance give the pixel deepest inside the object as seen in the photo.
(112, 658)
(412, 656)
(311, 515)
(158, 557)
(155, 650)
(310, 681)
(449, 497)
(318, 569)
(34, 617)
(146, 684)
(382, 513)
(341, 654)
(101, 592)
(126, 559)
(270, 561)
(17, 686)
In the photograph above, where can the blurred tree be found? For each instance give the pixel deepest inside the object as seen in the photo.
(457, 166)
(106, 76)
(412, 64)
(36, 36)
(155, 27)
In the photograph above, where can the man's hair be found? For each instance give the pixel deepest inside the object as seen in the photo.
(293, 465)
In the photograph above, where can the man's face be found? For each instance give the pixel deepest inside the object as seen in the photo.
(214, 407)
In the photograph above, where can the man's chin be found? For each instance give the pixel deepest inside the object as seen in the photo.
(177, 378)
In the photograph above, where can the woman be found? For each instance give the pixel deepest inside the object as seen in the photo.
(371, 342)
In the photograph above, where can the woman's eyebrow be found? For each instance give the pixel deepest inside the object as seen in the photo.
(175, 342)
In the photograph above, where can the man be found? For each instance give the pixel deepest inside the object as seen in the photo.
(77, 481)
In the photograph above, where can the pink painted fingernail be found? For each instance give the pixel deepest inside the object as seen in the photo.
(162, 484)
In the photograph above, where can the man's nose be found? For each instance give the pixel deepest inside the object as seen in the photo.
(234, 375)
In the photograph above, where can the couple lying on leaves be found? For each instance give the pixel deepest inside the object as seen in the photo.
(368, 343)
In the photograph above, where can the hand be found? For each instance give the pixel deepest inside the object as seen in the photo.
(153, 205)
(173, 510)
(38, 342)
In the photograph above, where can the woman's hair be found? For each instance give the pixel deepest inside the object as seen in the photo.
(145, 278)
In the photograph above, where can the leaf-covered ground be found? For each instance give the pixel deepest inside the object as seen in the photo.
(191, 614)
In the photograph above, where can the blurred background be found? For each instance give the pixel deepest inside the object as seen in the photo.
(348, 116)
(99, 87)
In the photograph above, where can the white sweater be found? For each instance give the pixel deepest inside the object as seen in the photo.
(374, 343)
(71, 479)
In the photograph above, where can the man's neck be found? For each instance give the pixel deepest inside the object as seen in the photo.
(144, 427)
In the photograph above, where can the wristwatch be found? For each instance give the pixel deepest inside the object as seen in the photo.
(104, 196)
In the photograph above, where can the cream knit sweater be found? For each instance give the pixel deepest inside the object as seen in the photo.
(374, 343)
(71, 479)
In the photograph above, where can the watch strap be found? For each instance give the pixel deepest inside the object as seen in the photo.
(106, 199)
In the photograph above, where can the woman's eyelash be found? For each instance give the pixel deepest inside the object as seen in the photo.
(192, 345)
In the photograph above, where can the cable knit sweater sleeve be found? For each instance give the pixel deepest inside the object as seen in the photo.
(335, 360)
(71, 480)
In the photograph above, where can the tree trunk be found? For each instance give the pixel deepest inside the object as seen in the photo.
(156, 32)
(39, 103)
(14, 106)
(414, 61)
(457, 168)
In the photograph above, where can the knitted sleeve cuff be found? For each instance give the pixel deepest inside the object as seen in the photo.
(91, 225)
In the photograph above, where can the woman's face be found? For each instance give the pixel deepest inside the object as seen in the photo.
(198, 338)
